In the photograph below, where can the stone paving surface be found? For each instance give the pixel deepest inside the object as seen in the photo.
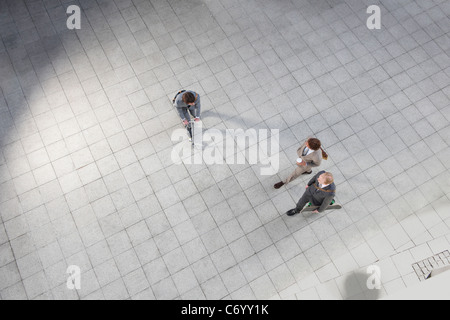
(86, 176)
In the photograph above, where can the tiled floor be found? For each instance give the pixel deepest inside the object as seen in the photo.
(86, 176)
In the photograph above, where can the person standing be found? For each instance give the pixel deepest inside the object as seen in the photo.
(188, 102)
(310, 155)
(320, 192)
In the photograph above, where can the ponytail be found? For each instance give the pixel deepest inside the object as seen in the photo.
(324, 154)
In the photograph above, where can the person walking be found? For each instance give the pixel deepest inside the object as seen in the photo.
(310, 155)
(320, 192)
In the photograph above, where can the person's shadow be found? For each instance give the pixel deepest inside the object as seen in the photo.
(219, 126)
(247, 124)
(360, 286)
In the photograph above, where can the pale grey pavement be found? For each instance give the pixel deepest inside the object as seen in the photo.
(86, 176)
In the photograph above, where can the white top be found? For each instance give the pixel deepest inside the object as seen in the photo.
(309, 151)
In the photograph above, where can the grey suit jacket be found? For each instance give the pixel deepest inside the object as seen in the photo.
(313, 159)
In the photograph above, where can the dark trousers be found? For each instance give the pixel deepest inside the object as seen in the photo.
(186, 112)
(305, 199)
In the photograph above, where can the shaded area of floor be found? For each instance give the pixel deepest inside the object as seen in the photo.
(86, 176)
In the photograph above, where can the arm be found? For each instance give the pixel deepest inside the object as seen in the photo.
(181, 113)
(316, 160)
(181, 110)
(299, 153)
(198, 107)
(313, 160)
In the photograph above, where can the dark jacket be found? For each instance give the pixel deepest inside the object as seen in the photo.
(321, 197)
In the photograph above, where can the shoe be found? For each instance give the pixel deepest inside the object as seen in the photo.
(307, 172)
(292, 212)
(278, 185)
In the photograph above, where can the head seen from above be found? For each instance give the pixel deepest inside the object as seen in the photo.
(189, 98)
(325, 178)
(313, 144)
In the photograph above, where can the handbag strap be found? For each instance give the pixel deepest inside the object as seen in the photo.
(318, 188)
(176, 96)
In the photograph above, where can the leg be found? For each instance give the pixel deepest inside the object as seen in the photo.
(189, 129)
(304, 200)
(295, 174)
(300, 205)
(184, 114)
